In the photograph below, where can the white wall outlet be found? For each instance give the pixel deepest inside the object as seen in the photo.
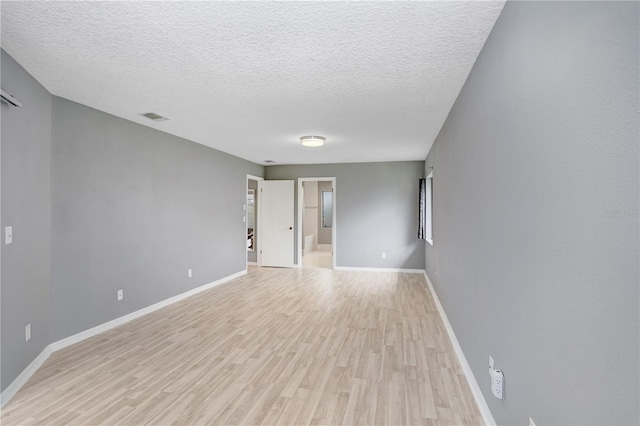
(189, 273)
(27, 332)
(490, 365)
(120, 295)
(531, 423)
(8, 234)
(497, 384)
(384, 255)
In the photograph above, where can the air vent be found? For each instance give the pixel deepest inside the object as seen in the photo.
(153, 116)
(269, 161)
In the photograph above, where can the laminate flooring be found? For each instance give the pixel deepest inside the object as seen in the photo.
(276, 346)
(320, 258)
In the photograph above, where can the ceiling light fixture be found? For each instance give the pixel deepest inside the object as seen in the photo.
(312, 140)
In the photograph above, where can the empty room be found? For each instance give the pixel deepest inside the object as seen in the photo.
(315, 212)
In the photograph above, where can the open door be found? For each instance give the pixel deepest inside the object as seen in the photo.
(277, 223)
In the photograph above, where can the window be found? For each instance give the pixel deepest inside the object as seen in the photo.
(327, 209)
(425, 230)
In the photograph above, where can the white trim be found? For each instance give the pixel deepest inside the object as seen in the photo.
(252, 263)
(26, 374)
(429, 241)
(137, 314)
(473, 384)
(324, 246)
(355, 268)
(334, 224)
(15, 386)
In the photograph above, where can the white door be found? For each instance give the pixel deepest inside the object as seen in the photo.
(276, 210)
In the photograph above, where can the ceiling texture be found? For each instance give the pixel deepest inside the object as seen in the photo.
(377, 79)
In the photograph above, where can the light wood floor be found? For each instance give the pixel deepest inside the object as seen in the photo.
(320, 258)
(277, 346)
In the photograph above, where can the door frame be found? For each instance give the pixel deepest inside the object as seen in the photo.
(256, 217)
(300, 207)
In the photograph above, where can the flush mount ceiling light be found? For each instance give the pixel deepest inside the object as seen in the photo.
(312, 140)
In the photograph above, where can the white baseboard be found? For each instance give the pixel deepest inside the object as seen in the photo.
(471, 379)
(354, 268)
(324, 246)
(252, 263)
(55, 346)
(15, 386)
(26, 374)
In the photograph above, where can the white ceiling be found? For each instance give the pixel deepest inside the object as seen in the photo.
(377, 79)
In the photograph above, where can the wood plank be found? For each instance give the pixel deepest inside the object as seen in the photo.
(277, 346)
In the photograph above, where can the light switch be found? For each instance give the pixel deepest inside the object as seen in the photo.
(8, 234)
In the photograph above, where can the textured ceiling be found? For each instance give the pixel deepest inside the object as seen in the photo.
(377, 79)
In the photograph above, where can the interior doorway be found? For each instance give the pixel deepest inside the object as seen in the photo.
(252, 219)
(317, 222)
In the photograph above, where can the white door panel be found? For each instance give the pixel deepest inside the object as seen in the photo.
(277, 223)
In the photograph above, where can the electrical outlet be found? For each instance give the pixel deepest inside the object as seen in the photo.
(8, 234)
(490, 364)
(384, 255)
(120, 295)
(531, 423)
(27, 332)
(497, 384)
(189, 273)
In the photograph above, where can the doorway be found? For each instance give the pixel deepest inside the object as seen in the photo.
(269, 219)
(317, 224)
(252, 219)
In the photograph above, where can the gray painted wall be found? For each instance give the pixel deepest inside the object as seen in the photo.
(535, 254)
(134, 208)
(26, 159)
(377, 209)
(324, 234)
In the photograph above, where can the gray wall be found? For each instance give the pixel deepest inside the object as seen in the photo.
(26, 159)
(133, 209)
(376, 207)
(535, 254)
(324, 234)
